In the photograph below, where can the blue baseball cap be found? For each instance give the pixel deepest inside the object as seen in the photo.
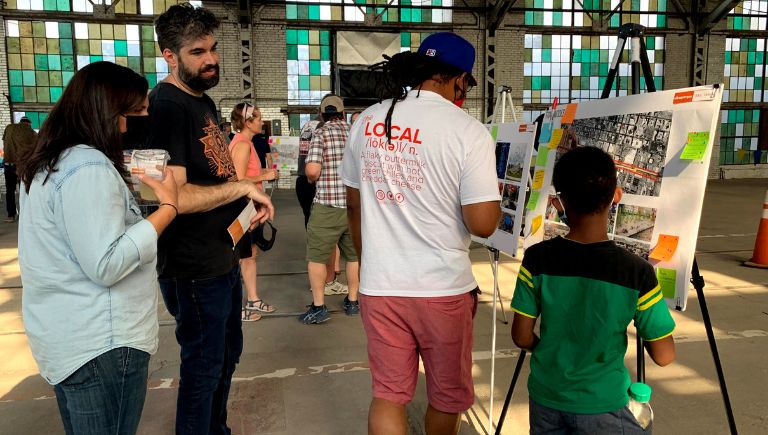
(451, 49)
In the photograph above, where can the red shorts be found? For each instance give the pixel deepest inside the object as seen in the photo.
(439, 329)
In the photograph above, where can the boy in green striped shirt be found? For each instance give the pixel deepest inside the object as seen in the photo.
(586, 290)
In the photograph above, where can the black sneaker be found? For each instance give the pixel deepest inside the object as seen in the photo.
(351, 308)
(315, 315)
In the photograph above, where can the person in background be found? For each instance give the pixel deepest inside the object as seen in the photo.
(328, 225)
(261, 145)
(199, 270)
(586, 290)
(354, 117)
(226, 130)
(247, 121)
(17, 140)
(87, 256)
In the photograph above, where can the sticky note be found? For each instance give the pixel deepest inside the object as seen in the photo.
(665, 248)
(494, 132)
(557, 136)
(667, 280)
(535, 224)
(538, 179)
(542, 157)
(570, 114)
(696, 146)
(546, 132)
(533, 200)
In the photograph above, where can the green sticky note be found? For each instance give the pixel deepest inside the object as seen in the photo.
(533, 200)
(542, 157)
(667, 280)
(696, 146)
(494, 132)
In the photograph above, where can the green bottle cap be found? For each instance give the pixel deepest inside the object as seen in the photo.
(640, 392)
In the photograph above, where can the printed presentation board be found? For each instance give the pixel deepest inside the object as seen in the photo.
(514, 148)
(661, 143)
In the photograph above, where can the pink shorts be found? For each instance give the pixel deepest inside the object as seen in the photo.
(439, 329)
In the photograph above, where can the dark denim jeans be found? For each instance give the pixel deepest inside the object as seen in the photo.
(545, 420)
(106, 395)
(209, 330)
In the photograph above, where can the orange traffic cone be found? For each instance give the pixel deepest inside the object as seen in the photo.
(760, 256)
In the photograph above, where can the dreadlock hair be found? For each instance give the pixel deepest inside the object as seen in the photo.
(586, 179)
(405, 71)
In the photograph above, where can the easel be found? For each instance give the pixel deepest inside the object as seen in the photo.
(639, 59)
(504, 100)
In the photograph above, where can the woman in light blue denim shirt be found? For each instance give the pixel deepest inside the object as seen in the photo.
(87, 256)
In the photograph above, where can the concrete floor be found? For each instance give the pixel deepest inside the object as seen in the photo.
(297, 379)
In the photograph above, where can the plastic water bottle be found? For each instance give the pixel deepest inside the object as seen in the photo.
(639, 397)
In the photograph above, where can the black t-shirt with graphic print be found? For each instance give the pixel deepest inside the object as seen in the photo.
(195, 245)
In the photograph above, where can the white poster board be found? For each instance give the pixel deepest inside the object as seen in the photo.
(514, 147)
(662, 144)
(285, 157)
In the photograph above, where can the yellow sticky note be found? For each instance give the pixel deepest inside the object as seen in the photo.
(665, 248)
(667, 280)
(696, 146)
(570, 114)
(535, 224)
(557, 136)
(533, 200)
(538, 179)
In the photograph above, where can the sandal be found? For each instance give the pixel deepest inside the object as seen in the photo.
(259, 305)
(249, 316)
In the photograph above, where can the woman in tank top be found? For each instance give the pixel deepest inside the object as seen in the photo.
(246, 122)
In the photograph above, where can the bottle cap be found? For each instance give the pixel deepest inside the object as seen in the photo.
(640, 392)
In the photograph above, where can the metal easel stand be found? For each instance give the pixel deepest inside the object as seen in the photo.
(639, 59)
(503, 101)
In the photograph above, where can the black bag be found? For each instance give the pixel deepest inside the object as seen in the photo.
(260, 240)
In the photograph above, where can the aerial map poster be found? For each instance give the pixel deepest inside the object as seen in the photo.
(514, 148)
(661, 143)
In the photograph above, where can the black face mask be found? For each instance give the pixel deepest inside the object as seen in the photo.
(137, 131)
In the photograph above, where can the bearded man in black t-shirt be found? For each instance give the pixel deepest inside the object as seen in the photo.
(198, 267)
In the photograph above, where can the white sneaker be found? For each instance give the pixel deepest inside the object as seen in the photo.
(335, 288)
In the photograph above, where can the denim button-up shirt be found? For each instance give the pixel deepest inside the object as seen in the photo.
(87, 262)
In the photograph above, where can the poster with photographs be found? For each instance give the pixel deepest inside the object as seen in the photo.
(514, 148)
(661, 144)
(285, 158)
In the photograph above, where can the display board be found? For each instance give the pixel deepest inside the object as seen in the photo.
(661, 143)
(514, 148)
(285, 158)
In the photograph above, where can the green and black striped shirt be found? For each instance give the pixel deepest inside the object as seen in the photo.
(586, 296)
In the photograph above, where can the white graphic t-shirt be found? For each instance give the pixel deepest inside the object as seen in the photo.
(415, 242)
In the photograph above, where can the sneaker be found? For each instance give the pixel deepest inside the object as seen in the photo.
(315, 315)
(335, 288)
(12, 219)
(351, 308)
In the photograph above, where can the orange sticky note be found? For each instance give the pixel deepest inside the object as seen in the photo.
(665, 248)
(557, 136)
(570, 114)
(538, 179)
(535, 224)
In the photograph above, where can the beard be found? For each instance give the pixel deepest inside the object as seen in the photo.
(195, 80)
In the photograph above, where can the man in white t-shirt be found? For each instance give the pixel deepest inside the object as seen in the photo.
(419, 181)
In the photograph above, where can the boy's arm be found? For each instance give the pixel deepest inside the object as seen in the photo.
(526, 305)
(522, 332)
(654, 323)
(662, 351)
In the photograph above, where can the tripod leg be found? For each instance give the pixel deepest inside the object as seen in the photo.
(614, 69)
(640, 360)
(650, 86)
(698, 283)
(495, 262)
(508, 399)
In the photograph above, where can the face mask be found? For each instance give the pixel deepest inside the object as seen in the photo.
(459, 103)
(460, 94)
(137, 131)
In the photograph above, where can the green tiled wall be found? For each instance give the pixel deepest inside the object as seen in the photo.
(309, 65)
(744, 75)
(346, 10)
(749, 15)
(739, 129)
(566, 18)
